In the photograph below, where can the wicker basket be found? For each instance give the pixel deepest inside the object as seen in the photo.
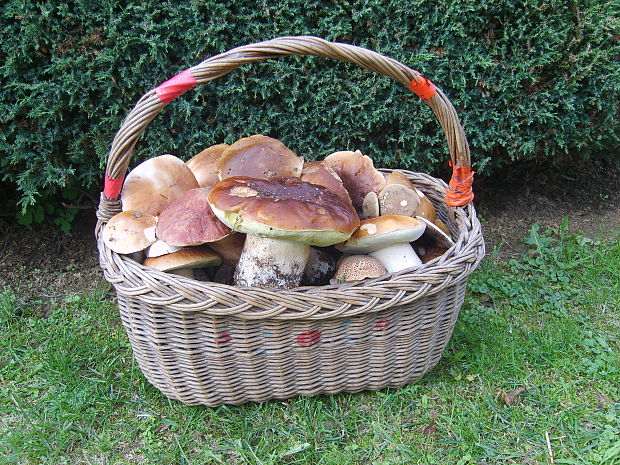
(212, 344)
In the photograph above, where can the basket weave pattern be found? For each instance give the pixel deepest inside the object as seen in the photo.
(212, 344)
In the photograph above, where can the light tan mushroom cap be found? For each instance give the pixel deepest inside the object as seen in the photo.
(317, 172)
(192, 257)
(370, 206)
(396, 199)
(377, 233)
(358, 174)
(153, 184)
(129, 231)
(204, 164)
(396, 177)
(259, 157)
(357, 268)
(189, 220)
(284, 208)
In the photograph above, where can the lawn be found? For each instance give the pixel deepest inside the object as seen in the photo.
(531, 376)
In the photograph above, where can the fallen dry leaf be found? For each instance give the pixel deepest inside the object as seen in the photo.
(431, 428)
(508, 398)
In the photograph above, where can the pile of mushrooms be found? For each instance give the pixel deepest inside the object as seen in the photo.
(254, 214)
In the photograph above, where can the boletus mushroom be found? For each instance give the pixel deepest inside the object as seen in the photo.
(130, 231)
(259, 157)
(204, 165)
(281, 218)
(184, 261)
(358, 174)
(387, 238)
(156, 182)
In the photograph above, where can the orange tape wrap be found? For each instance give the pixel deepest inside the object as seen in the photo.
(423, 88)
(112, 187)
(175, 86)
(459, 191)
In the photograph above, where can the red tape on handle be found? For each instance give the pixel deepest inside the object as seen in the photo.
(423, 88)
(112, 187)
(175, 86)
(459, 191)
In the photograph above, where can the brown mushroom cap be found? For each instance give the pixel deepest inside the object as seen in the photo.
(129, 231)
(358, 174)
(441, 225)
(357, 268)
(192, 257)
(156, 182)
(189, 220)
(317, 172)
(259, 157)
(204, 166)
(285, 208)
(377, 233)
(426, 209)
(440, 238)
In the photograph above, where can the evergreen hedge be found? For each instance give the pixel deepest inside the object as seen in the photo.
(531, 80)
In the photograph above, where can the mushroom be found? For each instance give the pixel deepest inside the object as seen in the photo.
(159, 248)
(204, 166)
(357, 268)
(182, 262)
(320, 267)
(281, 217)
(317, 172)
(259, 157)
(153, 184)
(396, 199)
(387, 238)
(129, 232)
(358, 174)
(441, 225)
(439, 238)
(189, 221)
(424, 207)
(370, 205)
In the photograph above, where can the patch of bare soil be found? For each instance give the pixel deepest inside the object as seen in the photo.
(588, 195)
(44, 265)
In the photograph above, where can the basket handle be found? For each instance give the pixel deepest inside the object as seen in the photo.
(148, 107)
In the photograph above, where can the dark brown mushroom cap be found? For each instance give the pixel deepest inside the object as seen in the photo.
(317, 172)
(358, 174)
(204, 165)
(156, 182)
(285, 208)
(190, 220)
(259, 157)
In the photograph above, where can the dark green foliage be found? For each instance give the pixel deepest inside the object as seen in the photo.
(531, 81)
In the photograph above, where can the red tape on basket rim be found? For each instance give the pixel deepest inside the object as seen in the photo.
(459, 191)
(175, 86)
(422, 87)
(112, 187)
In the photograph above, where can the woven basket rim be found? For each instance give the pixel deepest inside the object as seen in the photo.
(299, 302)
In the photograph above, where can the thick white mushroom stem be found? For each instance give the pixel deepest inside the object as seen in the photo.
(273, 263)
(397, 257)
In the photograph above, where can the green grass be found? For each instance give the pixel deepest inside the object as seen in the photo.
(547, 323)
